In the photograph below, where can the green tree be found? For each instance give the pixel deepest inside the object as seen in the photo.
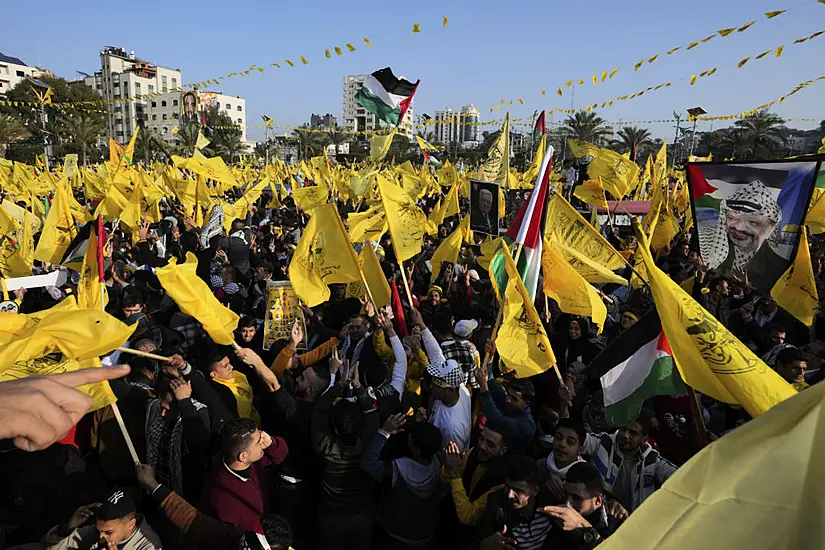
(585, 126)
(631, 138)
(148, 144)
(186, 139)
(308, 143)
(11, 129)
(763, 131)
(229, 146)
(85, 131)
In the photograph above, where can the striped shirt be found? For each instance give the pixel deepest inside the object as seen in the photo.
(530, 536)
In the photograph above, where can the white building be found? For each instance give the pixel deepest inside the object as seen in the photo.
(457, 126)
(356, 118)
(232, 106)
(13, 70)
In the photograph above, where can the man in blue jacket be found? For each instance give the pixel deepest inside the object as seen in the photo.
(512, 405)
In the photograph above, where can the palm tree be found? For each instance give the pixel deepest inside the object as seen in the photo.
(84, 131)
(307, 143)
(147, 143)
(187, 139)
(739, 143)
(763, 131)
(585, 126)
(11, 130)
(338, 137)
(631, 139)
(230, 146)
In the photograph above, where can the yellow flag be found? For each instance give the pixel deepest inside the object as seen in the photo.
(489, 248)
(710, 359)
(91, 291)
(618, 174)
(529, 178)
(380, 146)
(591, 270)
(592, 193)
(496, 166)
(816, 211)
(324, 255)
(78, 334)
(582, 148)
(58, 231)
(407, 222)
(566, 226)
(368, 225)
(195, 298)
(795, 291)
(202, 142)
(522, 341)
(310, 198)
(572, 292)
(112, 205)
(449, 248)
(374, 275)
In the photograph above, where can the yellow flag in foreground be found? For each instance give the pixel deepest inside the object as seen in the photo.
(407, 222)
(58, 231)
(195, 298)
(710, 358)
(795, 291)
(592, 193)
(79, 334)
(572, 292)
(522, 341)
(324, 255)
(91, 291)
(449, 248)
(759, 487)
(374, 275)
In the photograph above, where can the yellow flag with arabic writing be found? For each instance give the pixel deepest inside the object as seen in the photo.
(795, 291)
(709, 358)
(496, 167)
(380, 146)
(407, 223)
(522, 342)
(58, 231)
(310, 198)
(572, 292)
(618, 174)
(449, 248)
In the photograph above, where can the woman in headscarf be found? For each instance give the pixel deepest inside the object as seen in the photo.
(572, 344)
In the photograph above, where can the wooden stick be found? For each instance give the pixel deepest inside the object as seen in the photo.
(702, 434)
(406, 284)
(144, 354)
(125, 433)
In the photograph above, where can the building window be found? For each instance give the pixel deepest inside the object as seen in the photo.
(137, 86)
(240, 121)
(239, 108)
(165, 129)
(151, 87)
(163, 83)
(154, 104)
(163, 103)
(154, 117)
(228, 107)
(119, 133)
(174, 103)
(176, 116)
(164, 116)
(20, 74)
(116, 84)
(174, 82)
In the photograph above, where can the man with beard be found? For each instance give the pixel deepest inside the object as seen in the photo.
(630, 468)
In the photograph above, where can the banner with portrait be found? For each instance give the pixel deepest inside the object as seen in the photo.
(747, 216)
(484, 207)
(189, 107)
(283, 307)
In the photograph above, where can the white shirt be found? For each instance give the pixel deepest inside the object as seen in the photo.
(455, 422)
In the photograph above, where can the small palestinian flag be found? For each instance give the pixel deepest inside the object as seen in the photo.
(631, 373)
(386, 96)
(73, 258)
(431, 160)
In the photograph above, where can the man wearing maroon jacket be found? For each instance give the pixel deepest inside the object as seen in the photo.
(235, 490)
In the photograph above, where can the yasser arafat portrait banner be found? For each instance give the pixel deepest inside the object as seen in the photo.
(748, 215)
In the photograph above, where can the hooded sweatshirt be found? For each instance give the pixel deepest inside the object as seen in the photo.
(87, 537)
(409, 508)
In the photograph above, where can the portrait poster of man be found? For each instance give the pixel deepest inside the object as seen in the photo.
(189, 107)
(747, 216)
(484, 207)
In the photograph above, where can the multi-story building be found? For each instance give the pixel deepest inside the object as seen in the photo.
(125, 77)
(318, 122)
(356, 118)
(458, 126)
(151, 95)
(13, 70)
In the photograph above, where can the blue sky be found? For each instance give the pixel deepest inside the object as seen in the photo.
(491, 50)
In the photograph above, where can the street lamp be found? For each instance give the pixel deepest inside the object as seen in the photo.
(694, 114)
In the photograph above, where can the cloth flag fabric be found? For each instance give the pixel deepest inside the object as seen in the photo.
(541, 126)
(449, 248)
(521, 341)
(310, 198)
(592, 192)
(380, 146)
(399, 320)
(195, 298)
(795, 291)
(631, 373)
(58, 231)
(527, 229)
(407, 223)
(572, 292)
(374, 276)
(758, 487)
(496, 167)
(618, 174)
(710, 358)
(324, 255)
(91, 290)
(386, 96)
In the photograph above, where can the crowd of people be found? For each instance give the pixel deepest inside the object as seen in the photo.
(388, 428)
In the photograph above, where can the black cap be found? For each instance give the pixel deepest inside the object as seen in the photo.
(119, 504)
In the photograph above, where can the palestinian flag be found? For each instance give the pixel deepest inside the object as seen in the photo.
(527, 229)
(73, 258)
(541, 125)
(386, 96)
(431, 160)
(631, 373)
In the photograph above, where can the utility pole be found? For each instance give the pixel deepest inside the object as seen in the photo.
(676, 138)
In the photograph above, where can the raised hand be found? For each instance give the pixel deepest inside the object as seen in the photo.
(394, 423)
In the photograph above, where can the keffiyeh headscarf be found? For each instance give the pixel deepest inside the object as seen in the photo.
(448, 374)
(714, 243)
